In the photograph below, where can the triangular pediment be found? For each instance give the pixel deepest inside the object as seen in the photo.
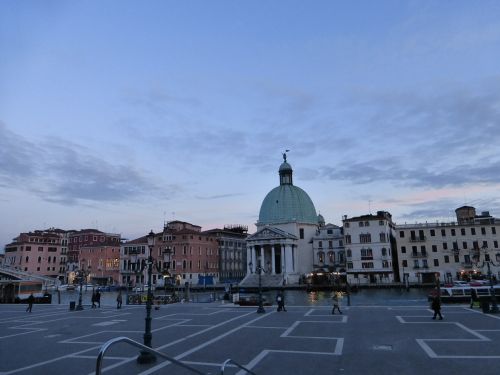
(271, 233)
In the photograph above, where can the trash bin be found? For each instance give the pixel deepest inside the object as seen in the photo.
(485, 306)
(72, 305)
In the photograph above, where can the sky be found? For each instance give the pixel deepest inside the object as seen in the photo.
(120, 115)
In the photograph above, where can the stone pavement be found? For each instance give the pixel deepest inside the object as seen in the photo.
(304, 340)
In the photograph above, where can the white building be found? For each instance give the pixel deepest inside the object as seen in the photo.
(328, 249)
(369, 253)
(451, 251)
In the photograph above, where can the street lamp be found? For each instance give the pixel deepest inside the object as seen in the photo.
(145, 356)
(487, 261)
(259, 270)
(82, 275)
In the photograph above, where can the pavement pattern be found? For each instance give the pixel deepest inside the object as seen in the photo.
(304, 340)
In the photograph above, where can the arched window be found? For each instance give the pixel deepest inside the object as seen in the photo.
(349, 253)
(321, 257)
(331, 256)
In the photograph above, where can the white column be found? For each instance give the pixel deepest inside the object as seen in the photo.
(289, 258)
(249, 258)
(273, 265)
(283, 267)
(254, 259)
(262, 262)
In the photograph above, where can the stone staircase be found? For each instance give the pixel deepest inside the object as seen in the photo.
(268, 281)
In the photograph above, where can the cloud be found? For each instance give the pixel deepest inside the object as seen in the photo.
(67, 173)
(220, 196)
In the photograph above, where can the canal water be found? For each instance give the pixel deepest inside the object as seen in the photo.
(363, 297)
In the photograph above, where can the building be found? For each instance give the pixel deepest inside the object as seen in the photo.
(370, 248)
(328, 249)
(94, 252)
(460, 250)
(181, 252)
(281, 246)
(232, 252)
(39, 252)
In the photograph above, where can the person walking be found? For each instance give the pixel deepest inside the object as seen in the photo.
(98, 298)
(31, 300)
(94, 299)
(280, 299)
(436, 307)
(473, 298)
(119, 300)
(336, 302)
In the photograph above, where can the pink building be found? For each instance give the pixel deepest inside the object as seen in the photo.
(38, 252)
(95, 252)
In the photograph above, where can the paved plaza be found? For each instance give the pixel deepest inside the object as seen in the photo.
(304, 340)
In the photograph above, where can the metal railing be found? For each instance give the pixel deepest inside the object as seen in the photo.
(230, 361)
(108, 344)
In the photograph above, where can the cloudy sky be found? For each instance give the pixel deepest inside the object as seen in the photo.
(119, 115)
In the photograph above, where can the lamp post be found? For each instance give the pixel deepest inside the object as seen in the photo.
(145, 356)
(259, 270)
(81, 274)
(487, 261)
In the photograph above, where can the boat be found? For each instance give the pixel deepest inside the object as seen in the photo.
(462, 292)
(250, 299)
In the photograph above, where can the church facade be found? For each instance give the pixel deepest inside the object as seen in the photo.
(282, 244)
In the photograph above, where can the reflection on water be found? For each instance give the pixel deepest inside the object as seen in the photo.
(292, 297)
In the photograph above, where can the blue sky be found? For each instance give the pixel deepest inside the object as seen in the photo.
(122, 114)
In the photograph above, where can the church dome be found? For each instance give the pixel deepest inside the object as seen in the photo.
(287, 203)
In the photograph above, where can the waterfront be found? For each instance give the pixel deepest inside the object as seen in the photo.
(363, 297)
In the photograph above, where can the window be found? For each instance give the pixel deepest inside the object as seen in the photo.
(366, 264)
(365, 238)
(384, 251)
(349, 253)
(361, 224)
(40, 248)
(462, 231)
(382, 237)
(464, 244)
(485, 243)
(320, 244)
(493, 230)
(436, 262)
(423, 250)
(401, 234)
(445, 246)
(483, 230)
(405, 263)
(433, 232)
(495, 244)
(331, 256)
(28, 248)
(348, 239)
(456, 258)
(380, 222)
(446, 259)
(330, 244)
(321, 257)
(467, 258)
(301, 231)
(346, 225)
(473, 231)
(366, 254)
(443, 232)
(403, 249)
(453, 232)
(434, 248)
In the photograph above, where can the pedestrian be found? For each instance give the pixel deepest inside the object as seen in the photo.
(94, 300)
(473, 298)
(336, 302)
(98, 298)
(119, 300)
(280, 299)
(436, 307)
(31, 299)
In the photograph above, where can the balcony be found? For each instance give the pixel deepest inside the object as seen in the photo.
(418, 239)
(417, 254)
(467, 265)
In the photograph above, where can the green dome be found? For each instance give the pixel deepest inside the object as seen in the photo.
(287, 203)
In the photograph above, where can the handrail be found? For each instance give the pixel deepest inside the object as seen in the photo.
(108, 344)
(223, 367)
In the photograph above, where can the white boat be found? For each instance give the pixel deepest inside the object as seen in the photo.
(463, 292)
